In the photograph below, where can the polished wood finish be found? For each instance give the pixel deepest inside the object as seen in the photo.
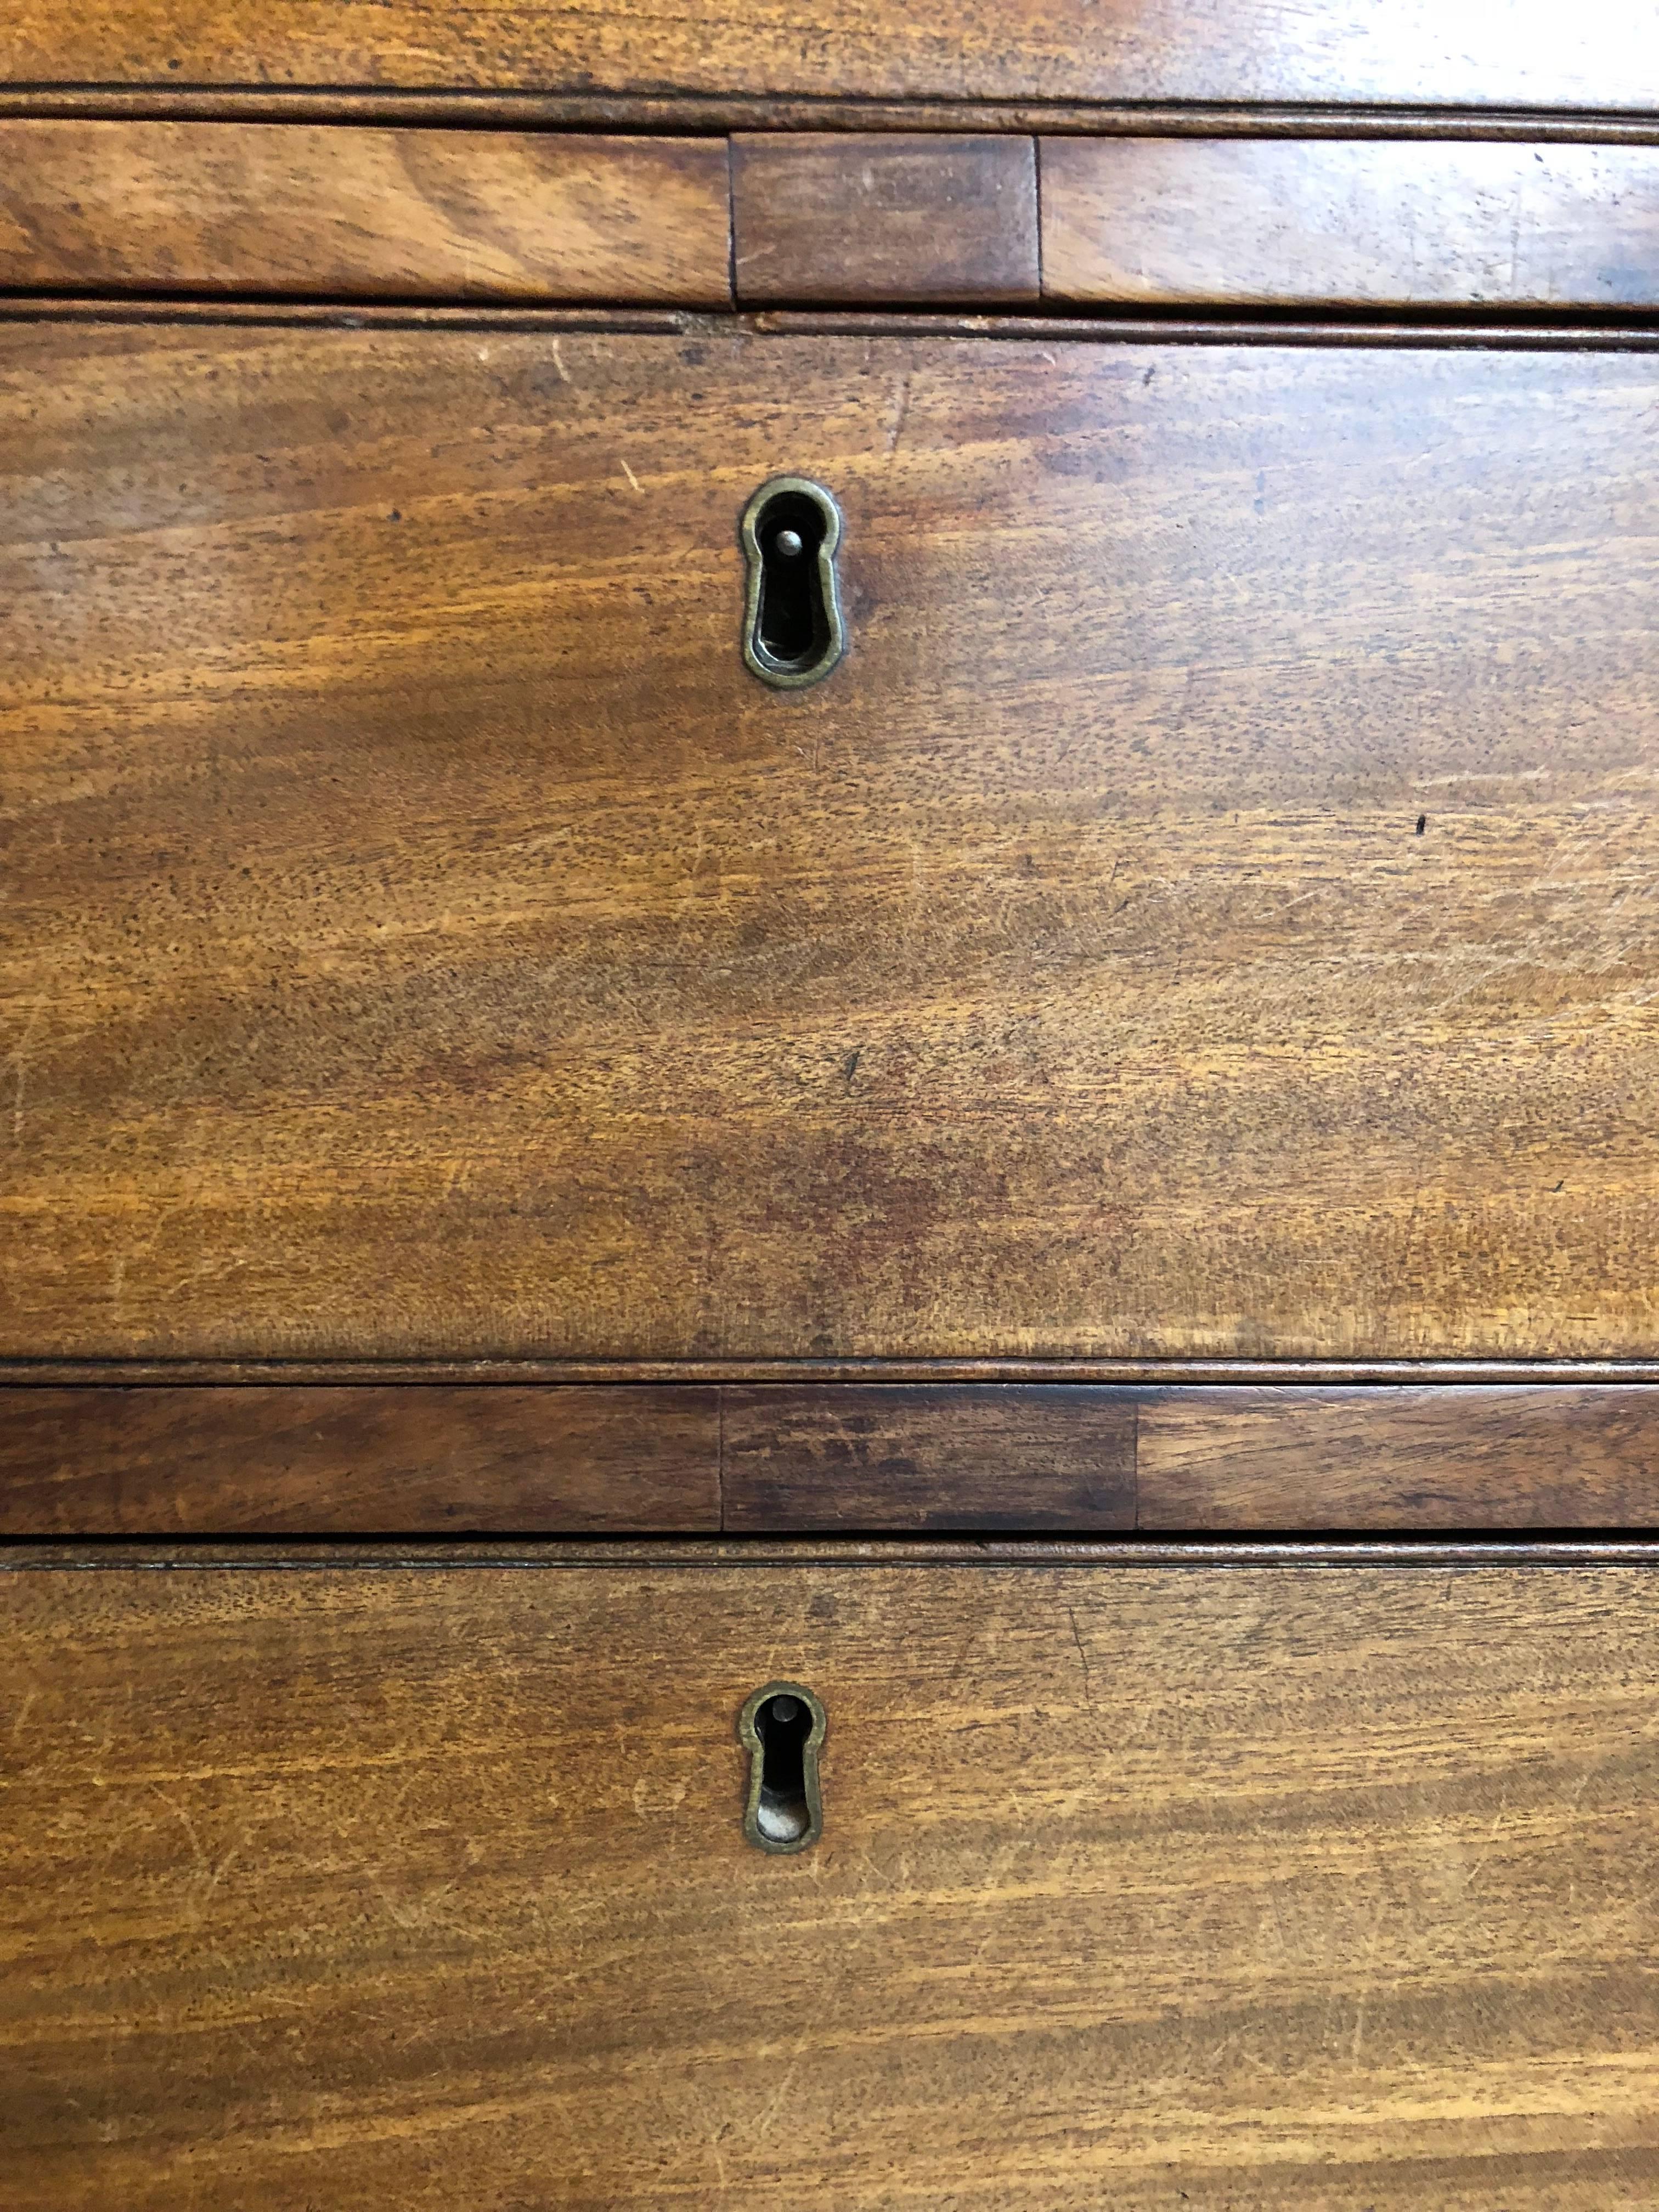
(332, 211)
(1369, 224)
(1205, 914)
(905, 219)
(1484, 53)
(1283, 1888)
(275, 1460)
(842, 1456)
(369, 1459)
(1555, 1457)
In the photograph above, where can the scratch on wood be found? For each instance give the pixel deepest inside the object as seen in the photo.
(901, 411)
(1083, 1658)
(19, 1058)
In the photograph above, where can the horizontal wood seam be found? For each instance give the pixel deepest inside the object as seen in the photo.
(1631, 332)
(670, 114)
(264, 1555)
(1042, 226)
(1148, 1373)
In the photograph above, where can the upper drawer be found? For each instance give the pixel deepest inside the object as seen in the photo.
(1212, 907)
(1476, 52)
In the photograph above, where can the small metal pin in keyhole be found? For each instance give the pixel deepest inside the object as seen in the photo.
(794, 632)
(781, 1728)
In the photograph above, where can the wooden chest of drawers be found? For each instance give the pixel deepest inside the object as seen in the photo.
(829, 903)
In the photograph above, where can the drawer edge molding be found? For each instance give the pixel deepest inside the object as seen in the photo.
(359, 1460)
(770, 1459)
(719, 112)
(1565, 332)
(1354, 224)
(884, 218)
(1172, 1371)
(714, 1554)
(329, 211)
(992, 220)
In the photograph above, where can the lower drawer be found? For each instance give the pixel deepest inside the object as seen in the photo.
(1145, 1879)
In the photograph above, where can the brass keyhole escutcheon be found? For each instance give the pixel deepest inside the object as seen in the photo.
(781, 1728)
(792, 630)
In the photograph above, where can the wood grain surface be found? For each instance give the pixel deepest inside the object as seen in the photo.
(1293, 223)
(1277, 1888)
(1213, 910)
(1399, 1458)
(278, 1461)
(369, 1459)
(869, 218)
(1484, 53)
(842, 1456)
(324, 211)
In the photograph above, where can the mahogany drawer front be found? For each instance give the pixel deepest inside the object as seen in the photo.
(892, 218)
(598, 1459)
(330, 211)
(1489, 54)
(442, 1897)
(1356, 224)
(1211, 911)
(912, 218)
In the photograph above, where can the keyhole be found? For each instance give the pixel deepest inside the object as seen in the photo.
(781, 1728)
(793, 630)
